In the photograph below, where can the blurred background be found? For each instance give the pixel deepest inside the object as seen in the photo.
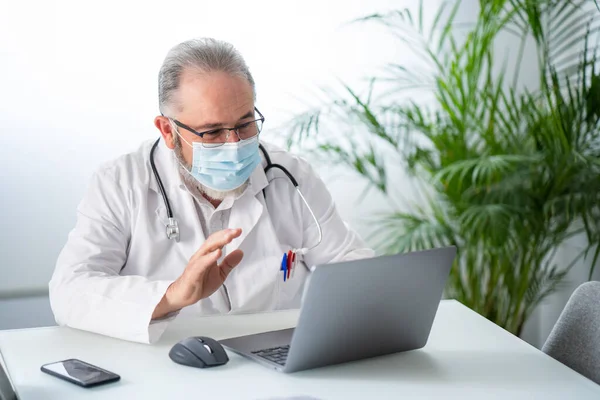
(472, 123)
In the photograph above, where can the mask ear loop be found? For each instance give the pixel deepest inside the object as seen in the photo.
(176, 129)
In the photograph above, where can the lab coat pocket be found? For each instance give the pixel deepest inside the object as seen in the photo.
(289, 291)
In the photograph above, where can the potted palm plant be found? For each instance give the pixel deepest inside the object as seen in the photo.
(510, 173)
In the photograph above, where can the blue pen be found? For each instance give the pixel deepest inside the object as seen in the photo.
(284, 266)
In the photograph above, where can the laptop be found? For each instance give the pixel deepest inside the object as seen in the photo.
(356, 310)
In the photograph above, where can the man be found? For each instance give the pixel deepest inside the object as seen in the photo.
(120, 275)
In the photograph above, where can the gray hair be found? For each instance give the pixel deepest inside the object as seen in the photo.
(203, 55)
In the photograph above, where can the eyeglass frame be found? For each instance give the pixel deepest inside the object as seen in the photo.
(235, 128)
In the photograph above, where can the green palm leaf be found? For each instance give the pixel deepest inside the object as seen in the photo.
(509, 173)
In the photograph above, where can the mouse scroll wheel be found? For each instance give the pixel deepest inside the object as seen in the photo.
(207, 347)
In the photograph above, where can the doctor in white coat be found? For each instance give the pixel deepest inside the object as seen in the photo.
(120, 275)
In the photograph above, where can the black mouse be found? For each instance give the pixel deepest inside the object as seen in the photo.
(199, 352)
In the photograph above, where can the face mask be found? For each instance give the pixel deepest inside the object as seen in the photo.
(226, 167)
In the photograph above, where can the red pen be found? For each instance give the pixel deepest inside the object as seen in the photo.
(289, 263)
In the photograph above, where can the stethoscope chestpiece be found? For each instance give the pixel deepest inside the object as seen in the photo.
(173, 230)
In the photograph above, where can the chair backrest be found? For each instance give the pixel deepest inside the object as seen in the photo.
(6, 390)
(575, 339)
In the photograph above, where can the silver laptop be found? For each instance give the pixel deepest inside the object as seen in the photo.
(355, 310)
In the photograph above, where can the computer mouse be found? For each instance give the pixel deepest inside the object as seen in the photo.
(199, 352)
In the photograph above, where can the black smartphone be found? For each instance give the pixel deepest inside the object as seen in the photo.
(80, 373)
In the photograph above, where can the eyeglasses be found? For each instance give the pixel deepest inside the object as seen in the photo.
(218, 137)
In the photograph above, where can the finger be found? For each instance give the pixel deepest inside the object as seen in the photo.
(206, 261)
(230, 262)
(217, 240)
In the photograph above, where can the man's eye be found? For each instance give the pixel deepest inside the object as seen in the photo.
(216, 133)
(242, 126)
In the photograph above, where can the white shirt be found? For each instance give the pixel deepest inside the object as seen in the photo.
(211, 219)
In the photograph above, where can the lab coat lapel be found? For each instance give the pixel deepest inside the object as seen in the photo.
(244, 214)
(247, 210)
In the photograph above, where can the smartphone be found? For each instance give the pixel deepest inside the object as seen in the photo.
(80, 373)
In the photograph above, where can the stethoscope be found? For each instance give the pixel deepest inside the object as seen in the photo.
(291, 258)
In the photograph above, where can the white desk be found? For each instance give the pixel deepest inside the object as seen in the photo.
(466, 357)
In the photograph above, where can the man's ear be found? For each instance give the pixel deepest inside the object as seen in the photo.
(166, 130)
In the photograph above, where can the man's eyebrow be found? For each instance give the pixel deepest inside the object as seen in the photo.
(249, 114)
(215, 125)
(206, 127)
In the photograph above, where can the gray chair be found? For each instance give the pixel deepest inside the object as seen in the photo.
(6, 390)
(575, 339)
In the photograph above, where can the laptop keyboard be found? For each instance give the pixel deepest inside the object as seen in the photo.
(277, 355)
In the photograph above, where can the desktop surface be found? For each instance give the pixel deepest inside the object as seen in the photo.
(466, 357)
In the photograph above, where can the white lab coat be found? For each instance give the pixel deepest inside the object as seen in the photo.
(118, 262)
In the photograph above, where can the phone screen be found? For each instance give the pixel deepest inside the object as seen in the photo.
(81, 372)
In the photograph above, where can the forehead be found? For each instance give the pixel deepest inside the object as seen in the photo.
(215, 96)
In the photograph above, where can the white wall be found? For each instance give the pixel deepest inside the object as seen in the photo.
(78, 86)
